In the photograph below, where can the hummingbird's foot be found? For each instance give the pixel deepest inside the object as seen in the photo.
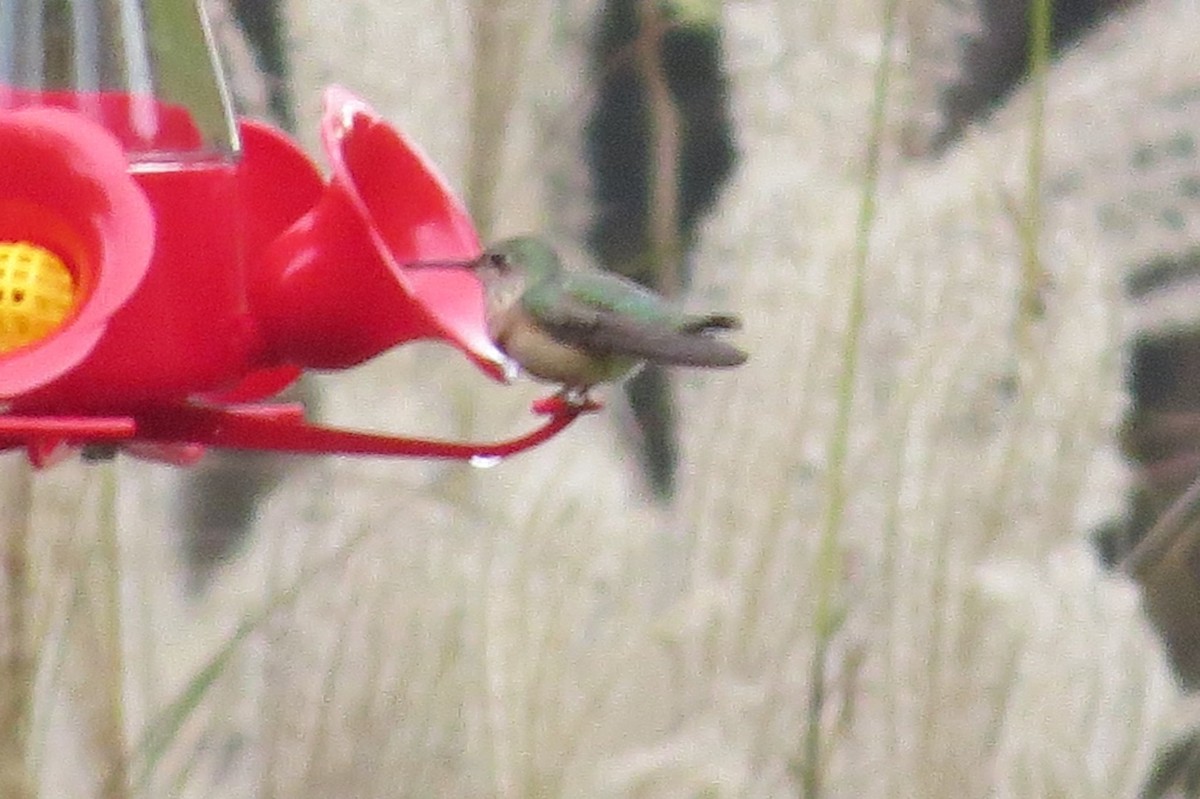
(561, 403)
(575, 396)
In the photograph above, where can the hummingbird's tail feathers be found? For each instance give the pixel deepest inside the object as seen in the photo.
(716, 354)
(710, 322)
(698, 348)
(691, 343)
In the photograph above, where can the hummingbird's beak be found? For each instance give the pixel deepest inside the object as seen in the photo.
(468, 264)
(459, 303)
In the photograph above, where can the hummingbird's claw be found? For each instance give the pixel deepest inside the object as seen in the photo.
(575, 396)
(569, 403)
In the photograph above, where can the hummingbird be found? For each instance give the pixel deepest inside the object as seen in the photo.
(580, 328)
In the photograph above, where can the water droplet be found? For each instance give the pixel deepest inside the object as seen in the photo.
(512, 369)
(484, 461)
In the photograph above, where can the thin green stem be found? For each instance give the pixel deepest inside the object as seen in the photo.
(1033, 277)
(1030, 302)
(111, 737)
(830, 610)
(17, 661)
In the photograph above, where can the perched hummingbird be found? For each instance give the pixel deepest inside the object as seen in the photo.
(582, 328)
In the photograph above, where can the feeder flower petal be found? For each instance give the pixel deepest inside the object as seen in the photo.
(414, 217)
(277, 184)
(77, 235)
(333, 291)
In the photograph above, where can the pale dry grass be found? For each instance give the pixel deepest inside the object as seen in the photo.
(538, 629)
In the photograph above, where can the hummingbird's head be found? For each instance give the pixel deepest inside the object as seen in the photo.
(527, 256)
(508, 267)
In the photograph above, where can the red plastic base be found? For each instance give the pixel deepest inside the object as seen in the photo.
(179, 434)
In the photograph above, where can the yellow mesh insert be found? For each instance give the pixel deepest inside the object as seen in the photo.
(37, 292)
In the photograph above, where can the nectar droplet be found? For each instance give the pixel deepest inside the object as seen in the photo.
(484, 461)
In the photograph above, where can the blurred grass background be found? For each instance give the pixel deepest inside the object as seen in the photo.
(874, 579)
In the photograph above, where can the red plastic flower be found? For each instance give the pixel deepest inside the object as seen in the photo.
(67, 191)
(414, 217)
(333, 290)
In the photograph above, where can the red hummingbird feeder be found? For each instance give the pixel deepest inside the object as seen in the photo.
(164, 272)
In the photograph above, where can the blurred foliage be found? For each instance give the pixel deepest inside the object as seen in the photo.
(659, 147)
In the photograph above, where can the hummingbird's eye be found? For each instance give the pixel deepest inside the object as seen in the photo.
(498, 261)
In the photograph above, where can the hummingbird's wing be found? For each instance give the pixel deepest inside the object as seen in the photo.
(606, 314)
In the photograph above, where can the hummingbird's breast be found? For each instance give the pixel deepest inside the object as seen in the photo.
(542, 357)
